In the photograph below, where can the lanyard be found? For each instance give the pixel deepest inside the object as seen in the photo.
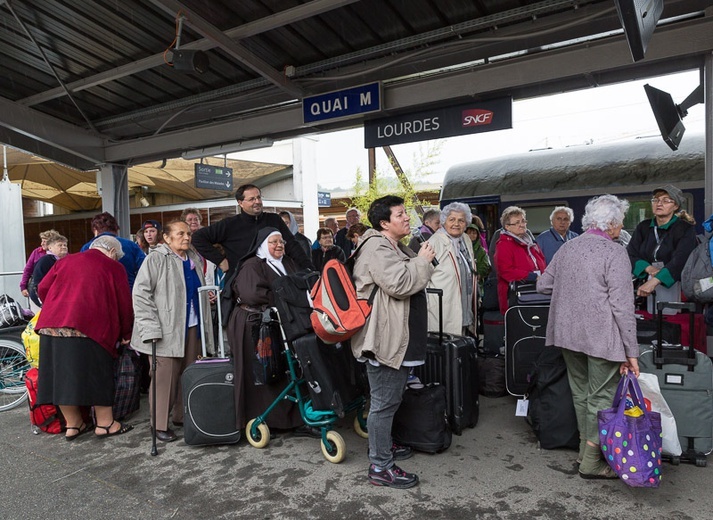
(658, 242)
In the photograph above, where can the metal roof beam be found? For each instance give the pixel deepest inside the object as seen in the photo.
(268, 23)
(233, 48)
(51, 131)
(525, 75)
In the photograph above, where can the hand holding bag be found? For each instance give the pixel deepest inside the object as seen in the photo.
(630, 439)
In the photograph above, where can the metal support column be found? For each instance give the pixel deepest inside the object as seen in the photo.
(115, 195)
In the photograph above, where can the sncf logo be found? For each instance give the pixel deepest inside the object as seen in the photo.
(476, 116)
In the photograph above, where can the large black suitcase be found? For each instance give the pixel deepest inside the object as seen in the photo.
(686, 380)
(330, 371)
(209, 415)
(525, 328)
(452, 362)
(421, 420)
(551, 410)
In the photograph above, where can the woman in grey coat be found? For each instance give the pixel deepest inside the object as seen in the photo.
(166, 309)
(592, 319)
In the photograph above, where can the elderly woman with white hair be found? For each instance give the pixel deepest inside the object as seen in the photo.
(517, 255)
(87, 312)
(455, 273)
(551, 240)
(592, 320)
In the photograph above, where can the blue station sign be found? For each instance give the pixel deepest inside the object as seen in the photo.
(342, 103)
(213, 177)
(324, 199)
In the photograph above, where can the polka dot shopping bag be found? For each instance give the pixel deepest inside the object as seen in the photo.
(630, 436)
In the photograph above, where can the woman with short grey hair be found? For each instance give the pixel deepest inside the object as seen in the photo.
(455, 273)
(592, 320)
(108, 243)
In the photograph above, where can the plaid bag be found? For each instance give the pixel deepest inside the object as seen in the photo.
(127, 378)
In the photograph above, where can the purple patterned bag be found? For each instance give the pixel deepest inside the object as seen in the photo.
(630, 438)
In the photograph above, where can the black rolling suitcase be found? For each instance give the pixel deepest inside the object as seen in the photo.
(452, 361)
(330, 371)
(525, 328)
(551, 410)
(686, 380)
(421, 421)
(209, 396)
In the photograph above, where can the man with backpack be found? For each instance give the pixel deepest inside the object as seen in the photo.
(394, 336)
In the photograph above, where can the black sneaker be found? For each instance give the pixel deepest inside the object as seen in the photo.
(401, 452)
(394, 477)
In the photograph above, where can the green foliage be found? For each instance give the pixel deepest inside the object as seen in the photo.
(387, 183)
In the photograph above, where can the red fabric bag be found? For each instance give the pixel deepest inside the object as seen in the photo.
(46, 417)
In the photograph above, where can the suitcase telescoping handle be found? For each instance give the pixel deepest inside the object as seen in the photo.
(684, 306)
(439, 293)
(216, 289)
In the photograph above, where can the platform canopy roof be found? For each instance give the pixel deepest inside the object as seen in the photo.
(88, 82)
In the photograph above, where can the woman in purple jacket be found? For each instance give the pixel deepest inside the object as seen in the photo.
(592, 319)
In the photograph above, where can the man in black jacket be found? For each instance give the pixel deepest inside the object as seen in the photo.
(235, 234)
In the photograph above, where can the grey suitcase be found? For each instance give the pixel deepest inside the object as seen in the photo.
(686, 379)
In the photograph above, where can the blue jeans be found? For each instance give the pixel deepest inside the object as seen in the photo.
(387, 389)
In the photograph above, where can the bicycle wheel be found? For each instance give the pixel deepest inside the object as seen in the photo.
(13, 367)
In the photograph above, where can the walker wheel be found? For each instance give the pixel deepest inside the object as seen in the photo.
(334, 448)
(261, 437)
(361, 429)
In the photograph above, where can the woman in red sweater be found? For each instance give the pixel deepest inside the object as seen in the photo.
(87, 310)
(517, 255)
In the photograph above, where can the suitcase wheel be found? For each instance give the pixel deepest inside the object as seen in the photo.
(334, 448)
(258, 436)
(701, 461)
(675, 460)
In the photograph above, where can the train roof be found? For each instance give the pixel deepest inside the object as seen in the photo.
(640, 161)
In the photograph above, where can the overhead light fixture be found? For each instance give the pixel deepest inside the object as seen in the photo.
(669, 116)
(240, 146)
(188, 60)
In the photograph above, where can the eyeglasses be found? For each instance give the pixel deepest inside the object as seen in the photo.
(276, 242)
(664, 200)
(522, 222)
(252, 199)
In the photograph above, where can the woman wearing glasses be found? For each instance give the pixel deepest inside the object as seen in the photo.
(265, 262)
(517, 255)
(660, 246)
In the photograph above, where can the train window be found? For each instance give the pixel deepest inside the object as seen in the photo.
(640, 209)
(538, 217)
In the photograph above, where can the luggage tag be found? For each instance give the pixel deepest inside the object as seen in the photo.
(522, 406)
(706, 283)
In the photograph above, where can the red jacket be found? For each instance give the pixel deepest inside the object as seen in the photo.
(514, 263)
(88, 292)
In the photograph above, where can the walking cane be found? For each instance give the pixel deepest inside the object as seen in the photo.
(154, 450)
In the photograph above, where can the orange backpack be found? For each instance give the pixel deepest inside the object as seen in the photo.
(338, 313)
